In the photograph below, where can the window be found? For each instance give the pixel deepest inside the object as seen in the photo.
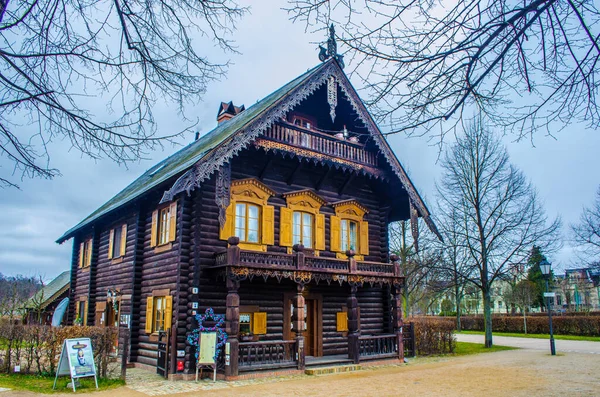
(302, 122)
(164, 225)
(81, 311)
(117, 242)
(349, 230)
(245, 323)
(303, 229)
(247, 221)
(301, 221)
(159, 313)
(85, 253)
(248, 216)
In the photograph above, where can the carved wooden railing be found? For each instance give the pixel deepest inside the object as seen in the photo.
(321, 143)
(266, 259)
(265, 355)
(318, 263)
(375, 267)
(378, 346)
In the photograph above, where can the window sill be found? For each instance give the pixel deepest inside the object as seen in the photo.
(341, 255)
(85, 269)
(116, 261)
(163, 248)
(253, 247)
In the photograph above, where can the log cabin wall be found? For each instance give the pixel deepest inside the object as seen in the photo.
(80, 278)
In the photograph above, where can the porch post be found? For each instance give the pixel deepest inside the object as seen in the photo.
(397, 318)
(298, 324)
(232, 326)
(353, 326)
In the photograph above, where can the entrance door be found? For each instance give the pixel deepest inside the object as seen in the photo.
(313, 323)
(310, 335)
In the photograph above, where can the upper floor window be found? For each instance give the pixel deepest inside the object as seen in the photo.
(248, 215)
(117, 241)
(247, 221)
(85, 253)
(164, 225)
(302, 122)
(303, 229)
(349, 230)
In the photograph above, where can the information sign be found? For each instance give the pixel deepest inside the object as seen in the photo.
(76, 360)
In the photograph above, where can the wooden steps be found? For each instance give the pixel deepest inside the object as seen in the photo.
(333, 370)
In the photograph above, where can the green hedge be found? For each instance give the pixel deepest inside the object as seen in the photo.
(563, 325)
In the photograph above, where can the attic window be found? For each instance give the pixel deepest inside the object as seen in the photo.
(156, 169)
(302, 122)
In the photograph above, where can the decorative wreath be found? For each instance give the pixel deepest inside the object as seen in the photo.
(219, 319)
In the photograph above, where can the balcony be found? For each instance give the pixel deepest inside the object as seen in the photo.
(302, 267)
(321, 143)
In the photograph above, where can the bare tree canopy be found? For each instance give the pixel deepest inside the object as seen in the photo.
(526, 64)
(586, 233)
(57, 55)
(497, 213)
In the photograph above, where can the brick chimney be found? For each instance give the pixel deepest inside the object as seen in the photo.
(228, 111)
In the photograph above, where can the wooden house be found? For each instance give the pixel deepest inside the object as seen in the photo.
(278, 218)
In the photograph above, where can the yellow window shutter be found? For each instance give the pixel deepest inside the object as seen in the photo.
(85, 312)
(335, 234)
(149, 314)
(268, 225)
(320, 232)
(342, 321)
(76, 309)
(89, 255)
(168, 311)
(81, 250)
(227, 229)
(123, 239)
(154, 231)
(259, 323)
(364, 238)
(285, 227)
(111, 243)
(172, 221)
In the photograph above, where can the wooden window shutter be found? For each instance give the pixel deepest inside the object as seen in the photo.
(77, 309)
(85, 312)
(227, 229)
(259, 323)
(100, 306)
(168, 311)
(172, 221)
(154, 230)
(123, 239)
(111, 243)
(320, 232)
(342, 321)
(335, 234)
(268, 225)
(285, 227)
(149, 314)
(81, 248)
(89, 254)
(364, 238)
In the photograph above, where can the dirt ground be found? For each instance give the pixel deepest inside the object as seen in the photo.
(509, 373)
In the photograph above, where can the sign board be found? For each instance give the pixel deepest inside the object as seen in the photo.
(549, 294)
(207, 349)
(76, 360)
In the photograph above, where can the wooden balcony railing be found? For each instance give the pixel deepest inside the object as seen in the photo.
(321, 143)
(254, 356)
(378, 346)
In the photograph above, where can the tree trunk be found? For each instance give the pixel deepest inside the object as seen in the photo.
(525, 321)
(457, 299)
(487, 316)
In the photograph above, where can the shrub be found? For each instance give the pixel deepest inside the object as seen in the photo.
(433, 335)
(563, 325)
(37, 348)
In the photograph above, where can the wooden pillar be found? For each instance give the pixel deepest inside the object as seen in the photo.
(298, 324)
(397, 318)
(232, 326)
(353, 326)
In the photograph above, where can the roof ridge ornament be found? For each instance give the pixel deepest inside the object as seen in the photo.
(331, 50)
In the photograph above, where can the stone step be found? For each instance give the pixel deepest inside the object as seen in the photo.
(333, 370)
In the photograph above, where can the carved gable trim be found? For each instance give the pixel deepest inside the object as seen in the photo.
(304, 200)
(350, 209)
(251, 190)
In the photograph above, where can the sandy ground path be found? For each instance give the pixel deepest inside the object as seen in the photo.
(524, 372)
(564, 346)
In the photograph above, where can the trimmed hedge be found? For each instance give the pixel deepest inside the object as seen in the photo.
(37, 348)
(562, 325)
(433, 335)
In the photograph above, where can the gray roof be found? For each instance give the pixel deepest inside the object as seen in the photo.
(50, 291)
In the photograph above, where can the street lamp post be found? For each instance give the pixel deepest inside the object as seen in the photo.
(545, 268)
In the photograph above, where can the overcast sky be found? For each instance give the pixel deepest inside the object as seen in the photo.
(273, 51)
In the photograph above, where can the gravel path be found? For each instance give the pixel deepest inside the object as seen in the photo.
(562, 346)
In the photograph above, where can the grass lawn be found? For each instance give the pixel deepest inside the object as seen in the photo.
(537, 336)
(43, 384)
(464, 348)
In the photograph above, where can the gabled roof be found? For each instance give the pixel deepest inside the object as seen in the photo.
(199, 160)
(50, 292)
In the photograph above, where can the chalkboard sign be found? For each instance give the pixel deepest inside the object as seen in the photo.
(76, 360)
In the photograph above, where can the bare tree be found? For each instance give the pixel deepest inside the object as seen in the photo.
(522, 296)
(57, 55)
(586, 233)
(499, 212)
(525, 63)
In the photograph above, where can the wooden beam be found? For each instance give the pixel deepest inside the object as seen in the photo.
(322, 179)
(292, 176)
(346, 183)
(262, 172)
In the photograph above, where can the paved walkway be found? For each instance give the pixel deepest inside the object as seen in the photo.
(562, 346)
